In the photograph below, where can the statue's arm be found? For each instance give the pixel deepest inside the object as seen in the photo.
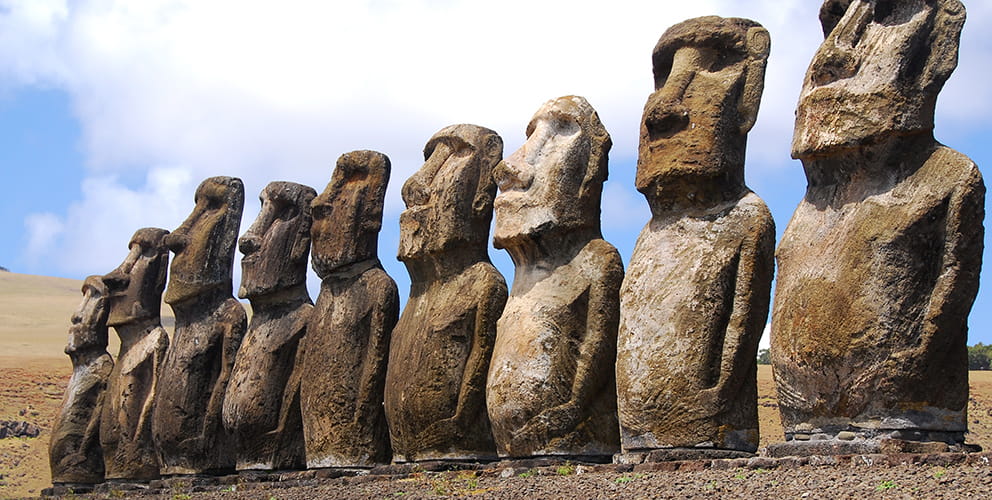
(961, 260)
(752, 296)
(471, 394)
(597, 352)
(157, 356)
(383, 314)
(232, 331)
(91, 435)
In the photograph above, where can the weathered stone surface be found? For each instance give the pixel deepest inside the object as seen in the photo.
(262, 404)
(134, 302)
(551, 387)
(210, 323)
(879, 265)
(74, 451)
(347, 342)
(441, 347)
(695, 298)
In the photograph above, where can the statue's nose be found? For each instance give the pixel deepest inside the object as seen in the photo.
(116, 280)
(175, 241)
(249, 244)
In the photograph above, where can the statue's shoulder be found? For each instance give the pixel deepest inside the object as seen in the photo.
(484, 275)
(233, 312)
(954, 168)
(380, 283)
(602, 255)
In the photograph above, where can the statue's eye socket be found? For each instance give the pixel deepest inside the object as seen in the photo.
(214, 203)
(725, 58)
(565, 125)
(883, 10)
(286, 211)
(895, 12)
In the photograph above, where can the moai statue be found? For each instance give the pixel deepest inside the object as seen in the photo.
(74, 451)
(135, 301)
(551, 387)
(695, 298)
(439, 357)
(210, 324)
(347, 342)
(262, 405)
(879, 265)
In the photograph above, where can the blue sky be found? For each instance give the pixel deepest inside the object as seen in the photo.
(111, 112)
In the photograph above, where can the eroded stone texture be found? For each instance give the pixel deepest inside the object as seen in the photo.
(441, 347)
(879, 265)
(695, 298)
(134, 301)
(551, 387)
(262, 404)
(74, 451)
(210, 324)
(347, 342)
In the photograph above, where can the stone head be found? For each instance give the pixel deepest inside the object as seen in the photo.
(449, 201)
(554, 182)
(135, 288)
(277, 245)
(708, 76)
(347, 216)
(88, 328)
(877, 73)
(204, 244)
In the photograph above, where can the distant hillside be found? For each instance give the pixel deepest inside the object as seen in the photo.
(35, 312)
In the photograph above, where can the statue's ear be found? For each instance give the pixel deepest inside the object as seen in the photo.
(758, 48)
(485, 190)
(301, 245)
(945, 39)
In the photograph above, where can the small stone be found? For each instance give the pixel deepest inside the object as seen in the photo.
(846, 435)
(801, 437)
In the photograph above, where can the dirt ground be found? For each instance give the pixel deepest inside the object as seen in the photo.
(34, 373)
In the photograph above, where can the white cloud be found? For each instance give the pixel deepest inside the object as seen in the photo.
(29, 37)
(92, 236)
(43, 231)
(766, 337)
(268, 91)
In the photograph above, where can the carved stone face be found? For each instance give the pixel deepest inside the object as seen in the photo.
(204, 243)
(877, 73)
(135, 287)
(347, 216)
(88, 328)
(449, 200)
(277, 245)
(554, 181)
(709, 76)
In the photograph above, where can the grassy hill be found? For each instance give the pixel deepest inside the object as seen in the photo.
(35, 313)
